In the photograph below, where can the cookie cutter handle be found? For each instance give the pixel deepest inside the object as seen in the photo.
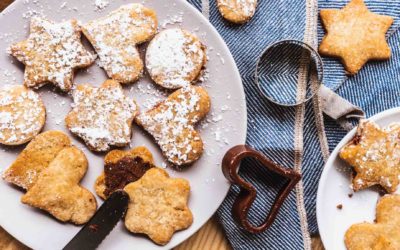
(248, 193)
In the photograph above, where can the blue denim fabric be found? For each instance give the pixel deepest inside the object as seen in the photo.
(271, 128)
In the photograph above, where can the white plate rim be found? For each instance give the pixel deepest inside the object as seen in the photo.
(325, 231)
(235, 72)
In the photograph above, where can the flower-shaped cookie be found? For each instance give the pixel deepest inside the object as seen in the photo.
(355, 35)
(158, 206)
(374, 154)
(384, 234)
(102, 116)
(115, 39)
(51, 53)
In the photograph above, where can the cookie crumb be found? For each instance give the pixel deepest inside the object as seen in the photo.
(101, 4)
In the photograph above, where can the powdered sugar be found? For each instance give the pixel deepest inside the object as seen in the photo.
(241, 7)
(115, 37)
(101, 4)
(172, 125)
(175, 58)
(22, 115)
(51, 53)
(102, 117)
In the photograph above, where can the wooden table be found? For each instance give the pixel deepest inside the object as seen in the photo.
(210, 236)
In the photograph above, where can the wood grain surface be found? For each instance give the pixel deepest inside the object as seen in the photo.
(210, 236)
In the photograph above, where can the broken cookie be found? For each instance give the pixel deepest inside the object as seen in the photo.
(355, 35)
(57, 188)
(102, 116)
(158, 206)
(383, 234)
(374, 154)
(122, 168)
(115, 39)
(172, 121)
(52, 53)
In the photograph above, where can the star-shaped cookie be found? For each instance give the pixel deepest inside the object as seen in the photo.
(52, 53)
(355, 35)
(374, 154)
(384, 234)
(158, 206)
(102, 116)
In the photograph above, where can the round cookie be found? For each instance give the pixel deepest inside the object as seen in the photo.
(237, 11)
(175, 58)
(22, 115)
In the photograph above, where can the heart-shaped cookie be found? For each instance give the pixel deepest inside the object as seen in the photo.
(35, 158)
(57, 188)
(172, 121)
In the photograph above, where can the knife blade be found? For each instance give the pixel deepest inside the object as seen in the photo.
(102, 223)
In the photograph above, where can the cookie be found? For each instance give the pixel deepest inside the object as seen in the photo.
(172, 121)
(115, 39)
(52, 53)
(237, 11)
(374, 154)
(35, 158)
(57, 189)
(122, 168)
(158, 206)
(355, 35)
(175, 58)
(22, 115)
(383, 234)
(102, 116)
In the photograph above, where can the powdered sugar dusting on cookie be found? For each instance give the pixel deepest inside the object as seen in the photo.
(22, 115)
(51, 53)
(103, 116)
(175, 58)
(172, 125)
(242, 7)
(116, 36)
(237, 11)
(375, 155)
(101, 4)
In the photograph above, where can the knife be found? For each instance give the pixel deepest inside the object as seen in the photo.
(101, 224)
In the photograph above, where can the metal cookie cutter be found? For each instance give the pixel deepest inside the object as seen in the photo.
(290, 73)
(247, 195)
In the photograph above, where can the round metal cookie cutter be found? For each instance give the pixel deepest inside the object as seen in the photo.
(281, 69)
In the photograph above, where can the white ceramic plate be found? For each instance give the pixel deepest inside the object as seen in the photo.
(224, 127)
(334, 189)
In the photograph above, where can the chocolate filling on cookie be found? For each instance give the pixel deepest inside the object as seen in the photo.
(126, 170)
